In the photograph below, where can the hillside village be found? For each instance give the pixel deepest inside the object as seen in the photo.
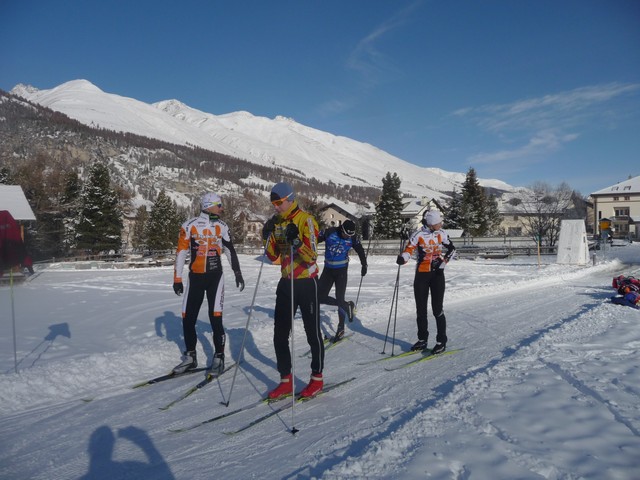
(142, 166)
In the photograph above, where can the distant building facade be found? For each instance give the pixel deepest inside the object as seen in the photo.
(620, 203)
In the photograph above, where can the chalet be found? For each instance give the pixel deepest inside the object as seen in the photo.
(620, 203)
(333, 214)
(12, 199)
(252, 224)
(413, 210)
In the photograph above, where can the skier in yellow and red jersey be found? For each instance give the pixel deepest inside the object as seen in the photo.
(204, 238)
(294, 229)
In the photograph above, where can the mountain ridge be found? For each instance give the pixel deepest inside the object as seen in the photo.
(280, 142)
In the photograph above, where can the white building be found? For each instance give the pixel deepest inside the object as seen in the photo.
(620, 203)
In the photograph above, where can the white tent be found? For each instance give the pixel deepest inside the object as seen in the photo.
(573, 248)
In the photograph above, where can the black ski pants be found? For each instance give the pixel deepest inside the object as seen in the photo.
(305, 296)
(433, 283)
(211, 283)
(329, 278)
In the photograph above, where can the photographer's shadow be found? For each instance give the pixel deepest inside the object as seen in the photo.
(103, 467)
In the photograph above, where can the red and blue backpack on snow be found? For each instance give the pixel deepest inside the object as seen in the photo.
(628, 291)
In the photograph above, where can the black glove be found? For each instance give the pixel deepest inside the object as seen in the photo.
(239, 280)
(268, 227)
(292, 234)
(363, 271)
(178, 288)
(436, 262)
(400, 260)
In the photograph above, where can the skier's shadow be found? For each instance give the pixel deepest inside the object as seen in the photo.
(169, 326)
(236, 336)
(103, 467)
(358, 327)
(55, 331)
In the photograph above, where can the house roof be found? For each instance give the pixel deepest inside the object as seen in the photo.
(12, 199)
(631, 185)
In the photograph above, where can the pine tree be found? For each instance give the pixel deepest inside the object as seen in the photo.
(138, 237)
(100, 225)
(163, 225)
(453, 212)
(70, 207)
(494, 219)
(474, 216)
(387, 219)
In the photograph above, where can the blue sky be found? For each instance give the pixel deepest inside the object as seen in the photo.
(522, 91)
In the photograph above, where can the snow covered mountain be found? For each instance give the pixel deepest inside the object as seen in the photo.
(279, 142)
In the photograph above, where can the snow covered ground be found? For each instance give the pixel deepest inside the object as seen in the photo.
(546, 383)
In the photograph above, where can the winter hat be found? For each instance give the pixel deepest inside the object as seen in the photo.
(282, 191)
(349, 228)
(432, 217)
(209, 200)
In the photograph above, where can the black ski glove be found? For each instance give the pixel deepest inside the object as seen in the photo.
(292, 234)
(239, 280)
(268, 228)
(436, 263)
(400, 260)
(178, 288)
(363, 271)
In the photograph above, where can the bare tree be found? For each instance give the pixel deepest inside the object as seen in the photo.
(542, 208)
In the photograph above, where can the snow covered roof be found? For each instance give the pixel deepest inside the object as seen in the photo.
(12, 199)
(631, 185)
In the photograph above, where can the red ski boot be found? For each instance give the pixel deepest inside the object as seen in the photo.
(314, 387)
(285, 389)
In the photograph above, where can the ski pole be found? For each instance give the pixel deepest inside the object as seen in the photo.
(294, 430)
(246, 328)
(361, 277)
(13, 316)
(394, 299)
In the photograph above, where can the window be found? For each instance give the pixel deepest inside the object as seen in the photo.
(615, 199)
(622, 212)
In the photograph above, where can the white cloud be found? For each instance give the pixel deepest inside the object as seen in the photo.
(556, 111)
(372, 65)
(547, 123)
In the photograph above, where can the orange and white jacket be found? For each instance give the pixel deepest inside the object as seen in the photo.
(429, 245)
(204, 240)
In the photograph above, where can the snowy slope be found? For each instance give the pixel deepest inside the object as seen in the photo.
(545, 384)
(274, 142)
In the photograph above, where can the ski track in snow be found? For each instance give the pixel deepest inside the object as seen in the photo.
(529, 335)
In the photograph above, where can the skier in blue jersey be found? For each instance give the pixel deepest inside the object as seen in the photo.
(338, 242)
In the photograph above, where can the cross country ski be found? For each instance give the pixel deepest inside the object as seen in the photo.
(426, 356)
(328, 344)
(391, 357)
(168, 376)
(286, 406)
(251, 406)
(207, 380)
